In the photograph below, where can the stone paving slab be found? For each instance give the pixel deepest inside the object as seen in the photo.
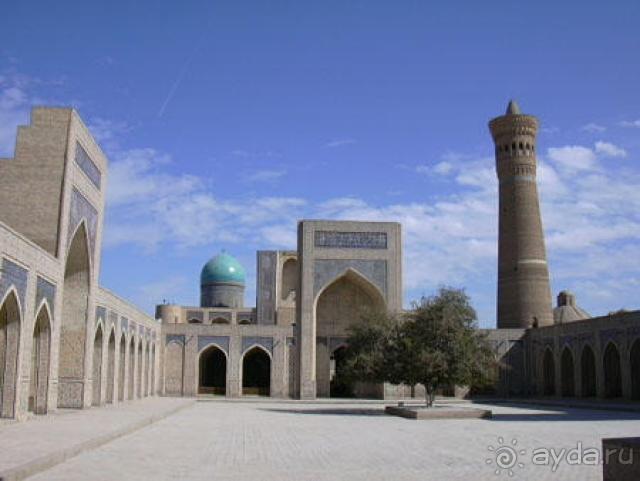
(235, 441)
(44, 441)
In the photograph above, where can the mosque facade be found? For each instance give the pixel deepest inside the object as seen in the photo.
(65, 341)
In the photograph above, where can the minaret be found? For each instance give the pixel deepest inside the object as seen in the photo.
(524, 296)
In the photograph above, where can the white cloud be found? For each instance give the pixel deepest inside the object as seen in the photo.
(573, 158)
(609, 150)
(108, 132)
(630, 123)
(264, 175)
(14, 111)
(441, 168)
(590, 216)
(593, 128)
(339, 143)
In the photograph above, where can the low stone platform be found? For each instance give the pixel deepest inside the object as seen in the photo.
(39, 443)
(438, 412)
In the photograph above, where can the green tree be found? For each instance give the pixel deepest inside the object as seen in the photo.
(436, 343)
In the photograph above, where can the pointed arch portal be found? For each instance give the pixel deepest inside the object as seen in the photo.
(588, 368)
(97, 367)
(612, 372)
(40, 355)
(9, 341)
(549, 370)
(213, 371)
(256, 372)
(347, 299)
(75, 304)
(122, 356)
(111, 366)
(568, 377)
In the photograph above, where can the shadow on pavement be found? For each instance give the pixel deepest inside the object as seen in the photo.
(331, 411)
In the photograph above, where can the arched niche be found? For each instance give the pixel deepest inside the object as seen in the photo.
(10, 321)
(40, 359)
(111, 366)
(289, 284)
(97, 366)
(588, 372)
(212, 371)
(612, 372)
(549, 373)
(256, 372)
(567, 368)
(75, 304)
(345, 300)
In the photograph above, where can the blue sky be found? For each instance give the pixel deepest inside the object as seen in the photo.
(225, 122)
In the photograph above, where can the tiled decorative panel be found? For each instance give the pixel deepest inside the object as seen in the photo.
(88, 166)
(266, 288)
(266, 342)
(219, 314)
(221, 341)
(11, 274)
(350, 240)
(327, 270)
(175, 338)
(197, 315)
(45, 290)
(113, 318)
(101, 313)
(80, 209)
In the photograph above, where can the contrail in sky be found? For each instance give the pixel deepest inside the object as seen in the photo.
(181, 75)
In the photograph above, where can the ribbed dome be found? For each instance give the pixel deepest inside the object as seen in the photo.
(568, 310)
(222, 268)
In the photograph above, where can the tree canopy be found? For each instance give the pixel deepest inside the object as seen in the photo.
(436, 343)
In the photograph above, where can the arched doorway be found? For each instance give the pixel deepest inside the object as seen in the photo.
(75, 303)
(122, 367)
(152, 371)
(213, 371)
(635, 370)
(111, 366)
(549, 370)
(140, 375)
(97, 367)
(346, 300)
(568, 377)
(138, 388)
(40, 349)
(256, 372)
(339, 387)
(588, 368)
(9, 341)
(612, 373)
(289, 280)
(130, 371)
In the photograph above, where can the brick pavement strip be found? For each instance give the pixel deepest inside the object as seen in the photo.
(40, 443)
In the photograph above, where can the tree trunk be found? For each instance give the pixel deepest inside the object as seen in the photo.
(429, 397)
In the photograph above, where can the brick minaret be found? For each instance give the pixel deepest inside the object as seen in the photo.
(524, 296)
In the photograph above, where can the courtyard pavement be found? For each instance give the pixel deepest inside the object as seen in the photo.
(42, 441)
(265, 441)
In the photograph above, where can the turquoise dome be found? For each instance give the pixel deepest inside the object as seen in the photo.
(222, 268)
